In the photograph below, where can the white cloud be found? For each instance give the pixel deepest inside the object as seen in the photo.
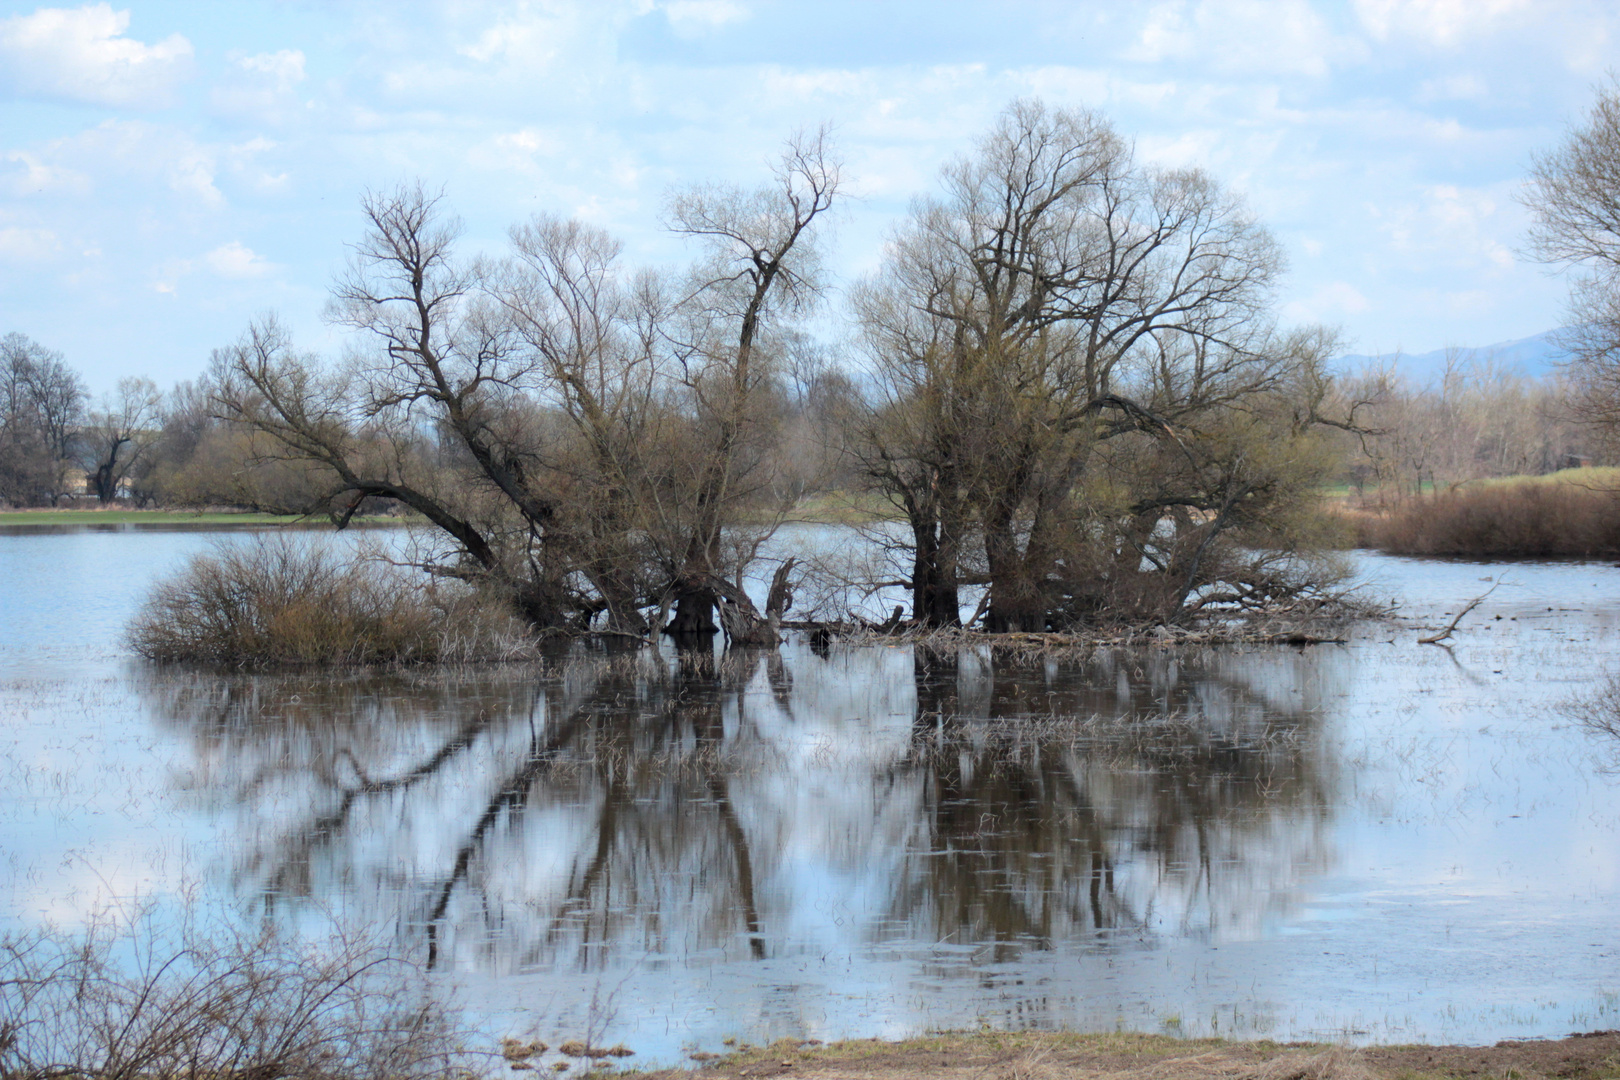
(260, 87)
(243, 160)
(235, 261)
(1311, 110)
(1470, 301)
(1241, 37)
(191, 173)
(1092, 87)
(1189, 149)
(532, 39)
(1462, 87)
(283, 69)
(1339, 297)
(80, 54)
(1331, 303)
(28, 245)
(689, 18)
(38, 177)
(1441, 23)
(1452, 227)
(529, 142)
(116, 156)
(798, 84)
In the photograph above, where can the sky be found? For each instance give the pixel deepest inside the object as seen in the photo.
(170, 169)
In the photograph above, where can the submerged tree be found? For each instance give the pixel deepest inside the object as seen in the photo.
(1082, 404)
(1075, 395)
(585, 439)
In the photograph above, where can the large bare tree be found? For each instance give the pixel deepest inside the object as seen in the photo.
(1573, 194)
(761, 262)
(587, 439)
(1072, 353)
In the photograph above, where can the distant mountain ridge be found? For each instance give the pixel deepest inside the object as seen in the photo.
(1533, 357)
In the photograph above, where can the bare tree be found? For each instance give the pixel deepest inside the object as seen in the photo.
(1071, 354)
(1477, 419)
(1574, 195)
(760, 262)
(587, 439)
(116, 438)
(592, 333)
(41, 402)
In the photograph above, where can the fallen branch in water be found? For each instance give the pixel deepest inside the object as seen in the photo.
(1435, 639)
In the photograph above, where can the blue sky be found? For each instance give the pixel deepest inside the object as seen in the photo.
(170, 168)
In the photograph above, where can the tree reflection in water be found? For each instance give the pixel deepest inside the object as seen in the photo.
(604, 809)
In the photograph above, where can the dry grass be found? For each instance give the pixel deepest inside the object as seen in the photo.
(1122, 1056)
(1595, 478)
(278, 602)
(1520, 520)
(122, 1001)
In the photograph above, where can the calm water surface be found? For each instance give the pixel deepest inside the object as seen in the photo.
(1377, 841)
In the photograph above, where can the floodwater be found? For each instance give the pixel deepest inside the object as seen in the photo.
(1375, 842)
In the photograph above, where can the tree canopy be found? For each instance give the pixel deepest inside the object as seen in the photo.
(1069, 382)
(1082, 403)
(589, 440)
(1573, 194)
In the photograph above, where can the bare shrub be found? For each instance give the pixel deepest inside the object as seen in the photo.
(1598, 714)
(276, 602)
(1521, 520)
(125, 1001)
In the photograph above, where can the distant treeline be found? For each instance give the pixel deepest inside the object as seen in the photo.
(1480, 462)
(1479, 419)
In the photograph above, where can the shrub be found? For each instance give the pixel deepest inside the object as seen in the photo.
(277, 602)
(1519, 520)
(127, 1002)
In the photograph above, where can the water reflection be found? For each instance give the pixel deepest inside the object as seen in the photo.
(601, 810)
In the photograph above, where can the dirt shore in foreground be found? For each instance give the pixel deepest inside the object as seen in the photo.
(1040, 1056)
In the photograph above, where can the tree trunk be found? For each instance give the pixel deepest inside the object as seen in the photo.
(935, 602)
(618, 595)
(1017, 601)
(694, 611)
(539, 603)
(739, 618)
(106, 483)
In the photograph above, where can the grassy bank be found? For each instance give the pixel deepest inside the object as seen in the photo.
(1048, 1056)
(843, 508)
(1570, 514)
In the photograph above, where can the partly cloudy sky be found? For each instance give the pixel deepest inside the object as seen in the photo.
(170, 168)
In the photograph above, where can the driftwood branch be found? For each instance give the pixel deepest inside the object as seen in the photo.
(1435, 639)
(978, 612)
